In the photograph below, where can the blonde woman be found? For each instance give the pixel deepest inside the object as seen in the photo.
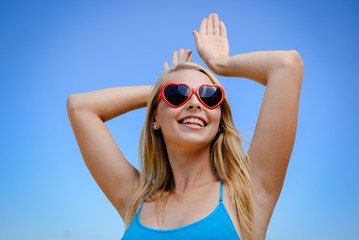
(196, 180)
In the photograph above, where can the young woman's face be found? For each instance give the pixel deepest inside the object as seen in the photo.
(191, 125)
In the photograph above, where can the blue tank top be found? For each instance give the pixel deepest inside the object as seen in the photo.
(217, 225)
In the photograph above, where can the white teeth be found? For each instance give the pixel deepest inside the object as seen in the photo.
(193, 120)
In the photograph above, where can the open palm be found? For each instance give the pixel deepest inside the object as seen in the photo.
(211, 40)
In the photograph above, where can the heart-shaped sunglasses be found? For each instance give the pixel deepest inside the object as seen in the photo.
(177, 94)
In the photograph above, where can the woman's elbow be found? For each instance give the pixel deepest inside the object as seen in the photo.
(293, 64)
(72, 102)
(294, 60)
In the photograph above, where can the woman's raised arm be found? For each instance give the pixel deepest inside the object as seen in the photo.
(273, 140)
(87, 113)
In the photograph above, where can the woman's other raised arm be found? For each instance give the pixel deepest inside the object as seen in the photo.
(88, 113)
(273, 140)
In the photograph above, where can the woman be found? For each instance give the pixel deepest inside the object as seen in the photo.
(195, 180)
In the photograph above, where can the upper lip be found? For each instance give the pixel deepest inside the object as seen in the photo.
(194, 116)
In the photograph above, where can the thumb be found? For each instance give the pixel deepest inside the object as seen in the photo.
(166, 66)
(196, 37)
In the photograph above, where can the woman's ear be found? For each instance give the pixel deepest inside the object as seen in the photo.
(155, 123)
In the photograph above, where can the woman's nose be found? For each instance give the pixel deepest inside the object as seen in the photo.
(193, 102)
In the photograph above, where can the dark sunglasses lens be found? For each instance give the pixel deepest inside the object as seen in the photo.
(176, 94)
(211, 96)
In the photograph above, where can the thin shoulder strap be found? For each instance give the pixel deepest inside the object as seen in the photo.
(142, 203)
(221, 193)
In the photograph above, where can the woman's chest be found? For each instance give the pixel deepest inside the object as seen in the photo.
(179, 213)
(176, 213)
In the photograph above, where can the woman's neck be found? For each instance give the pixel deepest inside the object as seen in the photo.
(190, 169)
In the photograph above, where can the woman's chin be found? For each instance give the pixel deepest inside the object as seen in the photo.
(191, 142)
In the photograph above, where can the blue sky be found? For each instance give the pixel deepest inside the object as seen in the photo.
(49, 50)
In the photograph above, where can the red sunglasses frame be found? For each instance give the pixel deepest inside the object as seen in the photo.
(192, 90)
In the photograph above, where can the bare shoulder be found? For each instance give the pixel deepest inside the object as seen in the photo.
(263, 207)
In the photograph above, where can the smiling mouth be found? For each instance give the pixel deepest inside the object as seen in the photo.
(193, 122)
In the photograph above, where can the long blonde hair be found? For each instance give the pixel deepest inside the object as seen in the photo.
(228, 161)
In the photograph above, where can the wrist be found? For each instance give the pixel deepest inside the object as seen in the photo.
(218, 66)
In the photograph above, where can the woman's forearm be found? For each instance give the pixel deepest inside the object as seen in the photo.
(257, 66)
(112, 102)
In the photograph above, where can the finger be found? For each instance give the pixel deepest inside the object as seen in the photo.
(215, 24)
(181, 57)
(203, 27)
(190, 57)
(166, 66)
(188, 54)
(210, 24)
(174, 58)
(222, 29)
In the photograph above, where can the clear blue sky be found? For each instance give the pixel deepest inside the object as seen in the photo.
(49, 50)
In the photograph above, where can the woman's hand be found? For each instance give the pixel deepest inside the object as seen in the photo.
(211, 41)
(182, 57)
